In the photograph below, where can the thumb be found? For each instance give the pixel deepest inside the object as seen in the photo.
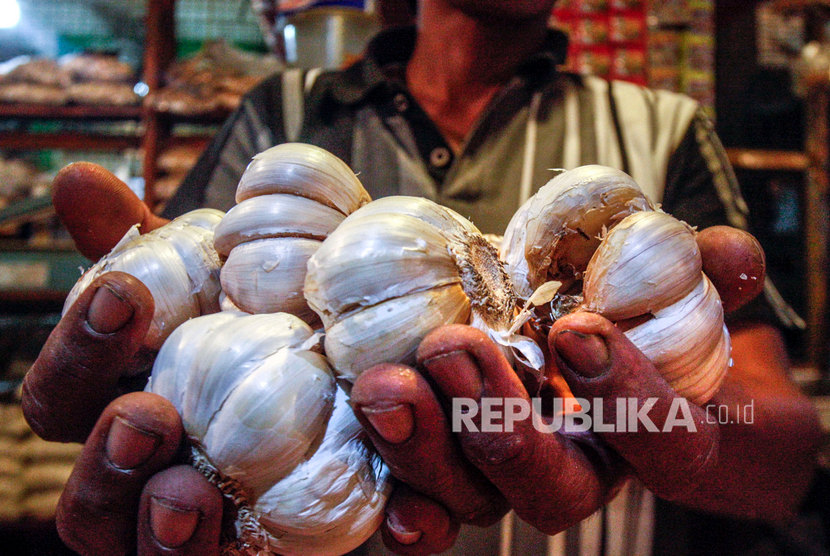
(97, 208)
(664, 437)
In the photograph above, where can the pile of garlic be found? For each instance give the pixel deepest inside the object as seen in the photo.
(258, 399)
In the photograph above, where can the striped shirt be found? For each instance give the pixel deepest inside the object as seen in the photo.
(542, 120)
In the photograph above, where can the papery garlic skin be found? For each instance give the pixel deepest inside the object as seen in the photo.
(553, 235)
(176, 262)
(290, 198)
(332, 501)
(396, 269)
(643, 264)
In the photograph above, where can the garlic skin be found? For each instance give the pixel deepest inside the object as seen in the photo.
(260, 406)
(634, 262)
(396, 269)
(176, 262)
(290, 198)
(553, 235)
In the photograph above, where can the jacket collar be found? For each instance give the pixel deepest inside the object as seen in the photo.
(387, 54)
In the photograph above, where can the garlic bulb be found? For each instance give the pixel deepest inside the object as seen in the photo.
(396, 269)
(634, 262)
(257, 401)
(176, 262)
(289, 199)
(553, 235)
(333, 500)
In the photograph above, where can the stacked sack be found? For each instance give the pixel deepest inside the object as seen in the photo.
(33, 472)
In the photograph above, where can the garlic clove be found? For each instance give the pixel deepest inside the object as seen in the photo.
(378, 257)
(274, 216)
(306, 171)
(266, 276)
(176, 262)
(391, 331)
(553, 235)
(192, 237)
(648, 261)
(256, 437)
(247, 391)
(682, 334)
(332, 501)
(711, 373)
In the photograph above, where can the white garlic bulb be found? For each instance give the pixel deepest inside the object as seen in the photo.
(553, 235)
(634, 262)
(176, 262)
(290, 198)
(396, 269)
(256, 400)
(333, 500)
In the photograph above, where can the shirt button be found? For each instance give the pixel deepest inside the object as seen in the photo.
(439, 157)
(401, 102)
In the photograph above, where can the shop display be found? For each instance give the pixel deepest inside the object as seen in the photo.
(213, 79)
(664, 45)
(607, 38)
(33, 471)
(87, 79)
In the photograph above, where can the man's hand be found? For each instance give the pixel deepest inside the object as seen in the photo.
(555, 479)
(128, 492)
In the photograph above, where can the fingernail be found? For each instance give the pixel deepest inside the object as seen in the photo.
(129, 446)
(584, 354)
(456, 374)
(400, 533)
(394, 423)
(171, 525)
(108, 312)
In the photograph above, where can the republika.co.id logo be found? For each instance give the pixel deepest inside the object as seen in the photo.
(582, 415)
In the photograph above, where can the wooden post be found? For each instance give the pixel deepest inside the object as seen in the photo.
(816, 224)
(159, 52)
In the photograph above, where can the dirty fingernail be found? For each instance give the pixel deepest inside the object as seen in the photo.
(457, 374)
(108, 312)
(172, 526)
(401, 534)
(394, 423)
(129, 446)
(584, 354)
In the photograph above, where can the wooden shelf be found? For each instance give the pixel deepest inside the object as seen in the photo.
(757, 159)
(20, 140)
(70, 112)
